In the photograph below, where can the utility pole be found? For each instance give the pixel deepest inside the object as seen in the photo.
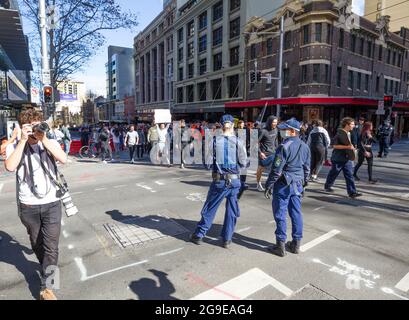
(45, 62)
(280, 66)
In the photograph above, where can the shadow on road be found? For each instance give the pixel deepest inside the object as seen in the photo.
(12, 253)
(148, 289)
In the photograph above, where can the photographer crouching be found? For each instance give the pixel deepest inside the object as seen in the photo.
(33, 159)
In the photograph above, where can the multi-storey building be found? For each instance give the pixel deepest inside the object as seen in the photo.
(331, 69)
(72, 96)
(398, 11)
(15, 65)
(154, 63)
(209, 53)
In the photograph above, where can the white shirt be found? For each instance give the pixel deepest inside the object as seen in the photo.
(131, 137)
(115, 139)
(45, 188)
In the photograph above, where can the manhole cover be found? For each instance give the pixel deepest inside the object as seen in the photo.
(139, 230)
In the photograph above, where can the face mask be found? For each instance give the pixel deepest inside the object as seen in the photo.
(285, 134)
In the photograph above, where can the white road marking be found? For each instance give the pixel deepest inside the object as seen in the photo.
(62, 222)
(390, 291)
(319, 208)
(243, 230)
(100, 189)
(317, 241)
(168, 252)
(70, 247)
(1, 186)
(243, 286)
(159, 183)
(272, 221)
(74, 193)
(403, 285)
(145, 187)
(404, 196)
(81, 266)
(65, 234)
(120, 186)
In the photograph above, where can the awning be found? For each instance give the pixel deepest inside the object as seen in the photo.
(198, 109)
(12, 39)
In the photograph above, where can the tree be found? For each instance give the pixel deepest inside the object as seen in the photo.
(75, 31)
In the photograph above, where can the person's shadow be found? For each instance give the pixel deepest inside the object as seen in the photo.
(147, 289)
(12, 253)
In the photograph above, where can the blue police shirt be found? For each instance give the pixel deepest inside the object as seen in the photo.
(292, 161)
(228, 155)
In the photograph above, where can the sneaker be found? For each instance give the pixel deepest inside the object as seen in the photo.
(182, 166)
(357, 178)
(355, 195)
(104, 162)
(374, 181)
(226, 244)
(260, 187)
(329, 189)
(47, 294)
(195, 239)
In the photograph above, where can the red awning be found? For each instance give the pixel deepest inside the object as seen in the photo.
(306, 101)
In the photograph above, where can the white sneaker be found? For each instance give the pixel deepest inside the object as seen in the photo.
(260, 187)
(104, 162)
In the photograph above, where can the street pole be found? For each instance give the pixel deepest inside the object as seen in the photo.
(280, 66)
(45, 63)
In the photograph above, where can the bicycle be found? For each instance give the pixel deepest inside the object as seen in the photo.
(89, 151)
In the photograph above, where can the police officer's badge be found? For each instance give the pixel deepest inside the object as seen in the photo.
(277, 161)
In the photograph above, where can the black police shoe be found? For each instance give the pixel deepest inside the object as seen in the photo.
(293, 246)
(278, 249)
(329, 189)
(226, 244)
(356, 178)
(195, 239)
(355, 195)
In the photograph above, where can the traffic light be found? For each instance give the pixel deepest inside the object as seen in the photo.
(388, 101)
(252, 77)
(48, 94)
(258, 77)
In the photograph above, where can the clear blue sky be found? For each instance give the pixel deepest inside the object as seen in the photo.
(147, 10)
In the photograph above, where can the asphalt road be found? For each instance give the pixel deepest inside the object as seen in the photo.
(353, 249)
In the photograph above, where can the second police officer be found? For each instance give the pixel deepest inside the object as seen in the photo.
(288, 177)
(228, 154)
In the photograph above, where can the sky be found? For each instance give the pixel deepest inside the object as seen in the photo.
(94, 72)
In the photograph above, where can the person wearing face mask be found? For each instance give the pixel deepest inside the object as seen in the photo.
(286, 182)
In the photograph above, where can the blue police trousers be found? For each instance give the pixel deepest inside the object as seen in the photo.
(348, 169)
(287, 198)
(218, 191)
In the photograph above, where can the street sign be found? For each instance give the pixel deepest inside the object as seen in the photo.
(381, 108)
(46, 77)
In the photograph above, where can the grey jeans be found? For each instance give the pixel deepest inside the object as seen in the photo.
(43, 223)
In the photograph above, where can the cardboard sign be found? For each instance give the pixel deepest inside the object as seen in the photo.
(163, 116)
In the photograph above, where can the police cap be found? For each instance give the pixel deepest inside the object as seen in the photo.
(290, 124)
(226, 118)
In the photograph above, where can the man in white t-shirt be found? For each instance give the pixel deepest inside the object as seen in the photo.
(38, 203)
(116, 140)
(131, 140)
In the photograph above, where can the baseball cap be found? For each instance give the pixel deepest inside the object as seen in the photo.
(290, 124)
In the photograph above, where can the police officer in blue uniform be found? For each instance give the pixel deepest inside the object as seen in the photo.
(385, 137)
(227, 155)
(288, 177)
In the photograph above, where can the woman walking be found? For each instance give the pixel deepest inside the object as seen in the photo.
(365, 151)
(318, 141)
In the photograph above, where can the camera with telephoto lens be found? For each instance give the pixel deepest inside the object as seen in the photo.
(42, 127)
(70, 208)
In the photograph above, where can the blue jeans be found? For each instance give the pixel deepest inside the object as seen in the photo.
(217, 192)
(67, 145)
(287, 198)
(348, 169)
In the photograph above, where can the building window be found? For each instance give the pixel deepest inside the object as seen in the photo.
(380, 53)
(326, 73)
(190, 93)
(253, 52)
(366, 87)
(202, 66)
(341, 38)
(396, 88)
(391, 86)
(234, 4)
(190, 50)
(353, 42)
(234, 28)
(180, 95)
(399, 60)
(378, 80)
(379, 6)
(386, 86)
(306, 34)
(180, 54)
(217, 61)
(286, 77)
(203, 43)
(369, 49)
(191, 70)
(180, 74)
(287, 40)
(361, 46)
(329, 29)
(389, 56)
(304, 74)
(358, 81)
(180, 35)
(218, 11)
(269, 45)
(201, 87)
(203, 20)
(318, 32)
(218, 36)
(234, 86)
(217, 89)
(234, 56)
(394, 58)
(190, 29)
(316, 73)
(350, 80)
(339, 76)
